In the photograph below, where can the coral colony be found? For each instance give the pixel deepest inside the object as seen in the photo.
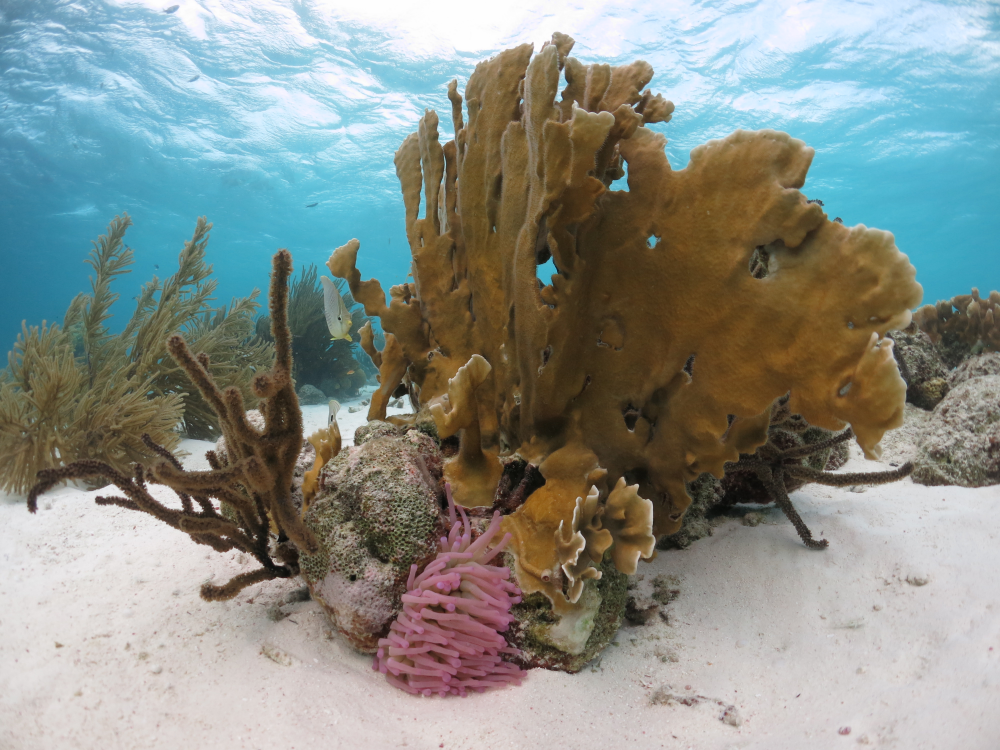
(708, 332)
(654, 355)
(447, 637)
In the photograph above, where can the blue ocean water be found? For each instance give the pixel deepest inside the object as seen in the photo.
(247, 111)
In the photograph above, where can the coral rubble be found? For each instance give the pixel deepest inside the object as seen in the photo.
(655, 353)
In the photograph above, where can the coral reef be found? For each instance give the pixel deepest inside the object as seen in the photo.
(446, 639)
(251, 479)
(960, 443)
(79, 392)
(965, 321)
(330, 366)
(375, 513)
(652, 335)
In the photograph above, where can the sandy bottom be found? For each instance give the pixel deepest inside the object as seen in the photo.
(893, 632)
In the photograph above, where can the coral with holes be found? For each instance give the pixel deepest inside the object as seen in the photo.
(619, 377)
(375, 513)
(446, 639)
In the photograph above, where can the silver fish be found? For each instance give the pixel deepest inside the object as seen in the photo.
(171, 9)
(338, 319)
(334, 408)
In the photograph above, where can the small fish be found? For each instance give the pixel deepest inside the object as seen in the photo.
(334, 408)
(338, 319)
(350, 372)
(171, 9)
(312, 205)
(156, 267)
(194, 78)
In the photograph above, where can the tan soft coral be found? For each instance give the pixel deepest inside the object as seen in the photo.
(654, 334)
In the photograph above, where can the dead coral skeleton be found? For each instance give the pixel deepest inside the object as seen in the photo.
(251, 483)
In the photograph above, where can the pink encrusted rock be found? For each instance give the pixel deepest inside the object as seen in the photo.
(377, 512)
(447, 638)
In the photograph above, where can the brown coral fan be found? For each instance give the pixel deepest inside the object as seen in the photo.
(80, 392)
(252, 481)
(654, 331)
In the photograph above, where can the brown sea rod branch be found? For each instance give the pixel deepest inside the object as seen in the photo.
(811, 448)
(251, 479)
(771, 465)
(774, 481)
(236, 584)
(849, 480)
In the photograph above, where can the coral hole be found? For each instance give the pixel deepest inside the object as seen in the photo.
(631, 415)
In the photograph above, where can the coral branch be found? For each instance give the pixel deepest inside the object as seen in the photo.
(251, 479)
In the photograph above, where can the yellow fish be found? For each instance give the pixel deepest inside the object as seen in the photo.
(338, 319)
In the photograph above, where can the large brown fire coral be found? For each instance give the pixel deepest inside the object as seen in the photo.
(654, 355)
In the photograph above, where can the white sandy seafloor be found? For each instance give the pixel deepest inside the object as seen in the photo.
(104, 642)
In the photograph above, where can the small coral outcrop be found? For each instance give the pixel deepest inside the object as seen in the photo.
(966, 319)
(922, 365)
(376, 512)
(960, 443)
(447, 638)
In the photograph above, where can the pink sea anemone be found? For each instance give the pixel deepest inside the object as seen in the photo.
(447, 638)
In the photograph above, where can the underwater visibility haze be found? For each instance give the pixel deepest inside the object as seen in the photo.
(278, 120)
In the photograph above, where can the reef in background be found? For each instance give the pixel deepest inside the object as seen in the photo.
(77, 391)
(329, 366)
